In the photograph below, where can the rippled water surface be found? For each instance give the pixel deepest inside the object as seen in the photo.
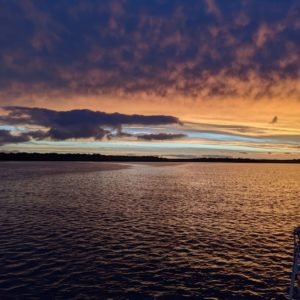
(93, 231)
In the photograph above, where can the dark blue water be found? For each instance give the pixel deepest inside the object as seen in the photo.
(94, 231)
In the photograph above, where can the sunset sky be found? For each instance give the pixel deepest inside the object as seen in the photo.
(174, 78)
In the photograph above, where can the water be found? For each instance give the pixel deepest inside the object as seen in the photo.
(96, 231)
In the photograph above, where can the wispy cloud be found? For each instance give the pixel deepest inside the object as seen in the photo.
(161, 136)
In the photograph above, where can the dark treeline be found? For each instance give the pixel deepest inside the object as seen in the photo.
(116, 158)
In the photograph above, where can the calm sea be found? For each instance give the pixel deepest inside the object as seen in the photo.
(96, 231)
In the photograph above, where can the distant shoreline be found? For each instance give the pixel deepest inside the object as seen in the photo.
(24, 156)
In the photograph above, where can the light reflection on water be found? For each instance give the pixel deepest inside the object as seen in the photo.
(194, 230)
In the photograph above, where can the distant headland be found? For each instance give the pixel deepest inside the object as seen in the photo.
(24, 156)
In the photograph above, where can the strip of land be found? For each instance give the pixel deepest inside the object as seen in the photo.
(24, 156)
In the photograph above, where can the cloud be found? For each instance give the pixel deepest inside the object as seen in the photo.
(213, 9)
(160, 136)
(7, 138)
(274, 120)
(75, 124)
(203, 48)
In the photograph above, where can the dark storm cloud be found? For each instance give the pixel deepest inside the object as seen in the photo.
(63, 125)
(155, 46)
(161, 136)
(7, 138)
(49, 118)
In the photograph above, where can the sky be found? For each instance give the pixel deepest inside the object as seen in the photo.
(172, 78)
